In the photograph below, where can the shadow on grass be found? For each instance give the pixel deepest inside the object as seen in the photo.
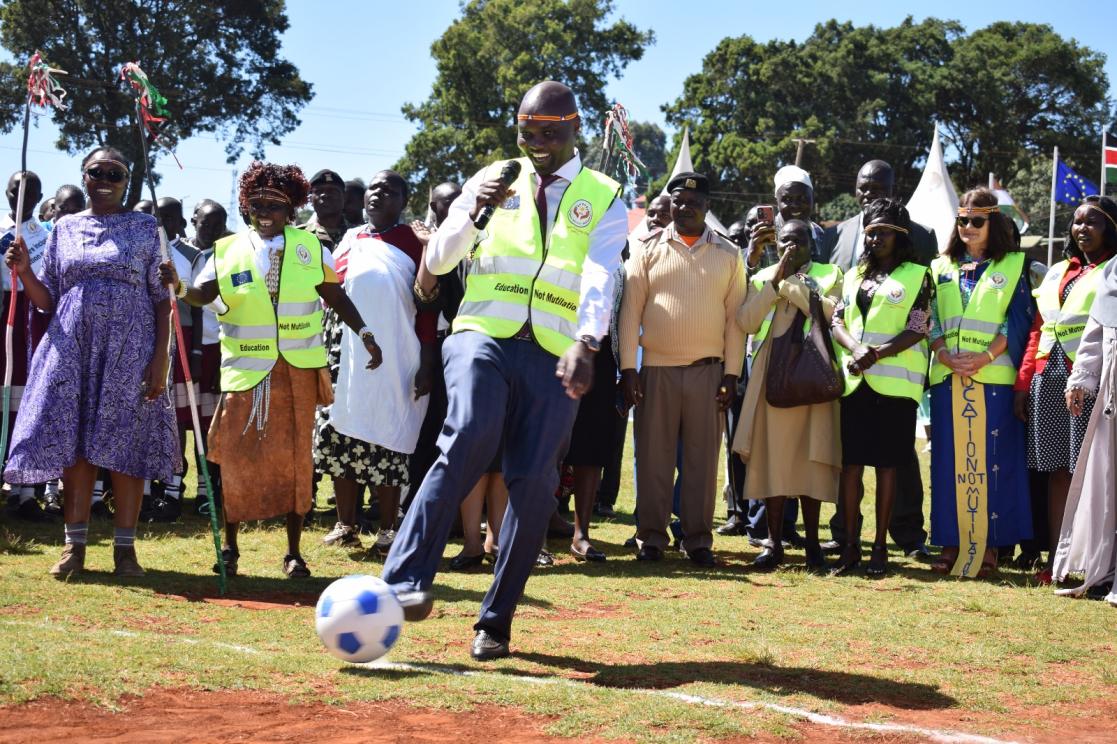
(847, 688)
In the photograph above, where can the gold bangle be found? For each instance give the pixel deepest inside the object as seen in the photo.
(992, 357)
(424, 296)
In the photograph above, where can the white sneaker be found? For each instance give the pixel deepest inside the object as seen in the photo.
(343, 536)
(384, 540)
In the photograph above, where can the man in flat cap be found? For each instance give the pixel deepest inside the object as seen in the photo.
(327, 198)
(685, 283)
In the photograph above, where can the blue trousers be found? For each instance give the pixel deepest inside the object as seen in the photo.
(497, 389)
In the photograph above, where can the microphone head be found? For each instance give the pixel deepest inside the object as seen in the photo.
(510, 172)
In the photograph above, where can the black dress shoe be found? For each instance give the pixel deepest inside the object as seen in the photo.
(591, 554)
(486, 647)
(816, 562)
(417, 605)
(732, 527)
(630, 542)
(463, 562)
(919, 552)
(702, 556)
(544, 558)
(794, 540)
(831, 547)
(649, 553)
(768, 560)
(605, 510)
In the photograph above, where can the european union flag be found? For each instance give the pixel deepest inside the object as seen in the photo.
(1071, 188)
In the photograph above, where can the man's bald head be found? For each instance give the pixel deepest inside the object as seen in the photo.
(549, 98)
(442, 197)
(875, 181)
(547, 126)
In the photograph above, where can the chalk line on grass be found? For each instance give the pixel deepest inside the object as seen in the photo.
(821, 719)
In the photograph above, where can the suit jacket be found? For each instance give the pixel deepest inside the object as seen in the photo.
(841, 242)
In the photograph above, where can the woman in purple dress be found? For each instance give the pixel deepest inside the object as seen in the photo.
(95, 395)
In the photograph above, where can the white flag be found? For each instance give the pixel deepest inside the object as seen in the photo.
(935, 203)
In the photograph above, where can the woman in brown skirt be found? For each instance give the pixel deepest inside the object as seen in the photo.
(273, 360)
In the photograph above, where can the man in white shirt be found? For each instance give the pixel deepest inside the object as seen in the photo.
(538, 301)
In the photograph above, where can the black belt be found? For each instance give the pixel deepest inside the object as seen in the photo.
(704, 361)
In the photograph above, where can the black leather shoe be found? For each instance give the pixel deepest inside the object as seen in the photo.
(417, 605)
(591, 554)
(463, 562)
(605, 511)
(486, 647)
(630, 542)
(831, 547)
(816, 562)
(794, 540)
(768, 560)
(919, 552)
(544, 558)
(702, 556)
(649, 553)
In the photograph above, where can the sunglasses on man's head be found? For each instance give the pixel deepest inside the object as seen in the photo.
(977, 222)
(113, 175)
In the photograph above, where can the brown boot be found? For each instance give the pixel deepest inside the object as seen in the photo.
(126, 564)
(71, 563)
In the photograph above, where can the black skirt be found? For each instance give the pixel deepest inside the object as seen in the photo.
(592, 441)
(877, 430)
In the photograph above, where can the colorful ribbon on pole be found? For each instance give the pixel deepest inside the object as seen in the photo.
(42, 88)
(618, 141)
(151, 103)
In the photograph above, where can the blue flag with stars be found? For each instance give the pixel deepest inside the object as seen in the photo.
(1071, 188)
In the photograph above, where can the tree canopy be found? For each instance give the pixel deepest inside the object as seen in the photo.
(488, 58)
(218, 64)
(1003, 95)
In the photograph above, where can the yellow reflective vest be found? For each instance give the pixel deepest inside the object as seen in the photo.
(1067, 320)
(826, 276)
(516, 278)
(254, 332)
(899, 376)
(975, 327)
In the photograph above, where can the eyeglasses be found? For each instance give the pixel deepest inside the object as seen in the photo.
(977, 222)
(266, 207)
(100, 174)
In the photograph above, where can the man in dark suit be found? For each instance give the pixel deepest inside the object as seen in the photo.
(843, 246)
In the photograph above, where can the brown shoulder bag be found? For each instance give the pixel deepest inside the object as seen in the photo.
(802, 370)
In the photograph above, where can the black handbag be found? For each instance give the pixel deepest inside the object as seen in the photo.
(802, 369)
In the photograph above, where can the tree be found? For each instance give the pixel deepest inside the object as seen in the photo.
(217, 64)
(487, 60)
(1015, 90)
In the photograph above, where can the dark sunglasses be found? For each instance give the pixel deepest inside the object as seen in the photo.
(100, 174)
(977, 222)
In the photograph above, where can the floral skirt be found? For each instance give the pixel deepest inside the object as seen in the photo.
(341, 456)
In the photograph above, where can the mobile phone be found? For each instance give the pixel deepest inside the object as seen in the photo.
(766, 213)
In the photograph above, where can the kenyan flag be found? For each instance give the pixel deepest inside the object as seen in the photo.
(1109, 171)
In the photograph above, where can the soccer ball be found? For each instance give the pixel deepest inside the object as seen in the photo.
(358, 618)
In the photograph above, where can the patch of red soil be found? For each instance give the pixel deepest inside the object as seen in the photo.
(255, 601)
(173, 716)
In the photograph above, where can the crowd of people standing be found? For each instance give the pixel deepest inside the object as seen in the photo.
(406, 358)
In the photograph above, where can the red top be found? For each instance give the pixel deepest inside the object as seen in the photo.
(402, 237)
(1031, 366)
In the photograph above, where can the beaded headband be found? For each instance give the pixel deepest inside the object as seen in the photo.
(546, 117)
(108, 160)
(1107, 215)
(267, 191)
(967, 211)
(897, 228)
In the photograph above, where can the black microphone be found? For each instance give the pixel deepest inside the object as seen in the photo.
(508, 175)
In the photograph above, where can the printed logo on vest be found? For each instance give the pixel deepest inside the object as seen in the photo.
(241, 277)
(303, 254)
(512, 202)
(895, 294)
(581, 213)
(998, 280)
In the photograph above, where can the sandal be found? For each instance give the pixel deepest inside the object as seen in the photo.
(988, 568)
(229, 557)
(878, 561)
(942, 565)
(295, 567)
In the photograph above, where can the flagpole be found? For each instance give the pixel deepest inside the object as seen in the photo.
(1104, 137)
(1051, 222)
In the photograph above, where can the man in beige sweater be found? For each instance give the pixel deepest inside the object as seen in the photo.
(684, 285)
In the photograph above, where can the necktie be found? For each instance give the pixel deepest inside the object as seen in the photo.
(541, 202)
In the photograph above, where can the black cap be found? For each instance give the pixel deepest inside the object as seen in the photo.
(692, 181)
(327, 176)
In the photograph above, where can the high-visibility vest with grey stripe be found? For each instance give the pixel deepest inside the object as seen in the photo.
(516, 278)
(901, 375)
(1065, 321)
(254, 332)
(976, 326)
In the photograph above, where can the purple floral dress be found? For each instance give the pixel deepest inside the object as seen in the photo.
(82, 398)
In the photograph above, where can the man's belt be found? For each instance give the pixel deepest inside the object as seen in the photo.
(704, 361)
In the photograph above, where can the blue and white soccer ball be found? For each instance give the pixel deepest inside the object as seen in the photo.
(358, 618)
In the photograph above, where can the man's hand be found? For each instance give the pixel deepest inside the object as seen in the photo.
(761, 236)
(630, 387)
(727, 392)
(422, 232)
(376, 357)
(493, 193)
(575, 369)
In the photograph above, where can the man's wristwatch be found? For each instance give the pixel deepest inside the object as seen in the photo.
(183, 288)
(591, 343)
(365, 334)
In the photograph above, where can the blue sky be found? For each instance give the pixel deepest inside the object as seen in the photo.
(366, 59)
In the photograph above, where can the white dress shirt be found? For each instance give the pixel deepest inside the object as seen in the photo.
(457, 236)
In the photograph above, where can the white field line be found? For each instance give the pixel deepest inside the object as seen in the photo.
(821, 719)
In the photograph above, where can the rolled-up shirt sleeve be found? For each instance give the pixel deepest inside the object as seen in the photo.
(456, 235)
(603, 258)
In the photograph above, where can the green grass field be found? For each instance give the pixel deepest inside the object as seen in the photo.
(1001, 658)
